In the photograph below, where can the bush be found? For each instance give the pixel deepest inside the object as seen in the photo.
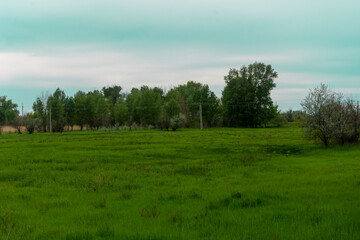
(177, 121)
(278, 120)
(31, 124)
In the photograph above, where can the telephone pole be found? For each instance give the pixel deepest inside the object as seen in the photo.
(22, 109)
(201, 120)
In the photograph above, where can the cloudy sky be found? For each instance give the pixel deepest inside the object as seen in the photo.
(87, 44)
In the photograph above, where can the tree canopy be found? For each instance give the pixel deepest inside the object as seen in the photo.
(246, 97)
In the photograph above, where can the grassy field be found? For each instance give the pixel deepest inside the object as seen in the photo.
(188, 184)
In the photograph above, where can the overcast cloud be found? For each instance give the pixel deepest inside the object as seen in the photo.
(84, 45)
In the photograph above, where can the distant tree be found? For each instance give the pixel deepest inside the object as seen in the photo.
(112, 95)
(189, 96)
(40, 111)
(144, 105)
(31, 123)
(279, 119)
(121, 112)
(8, 111)
(172, 108)
(347, 121)
(56, 104)
(289, 115)
(97, 109)
(18, 123)
(246, 96)
(81, 109)
(70, 112)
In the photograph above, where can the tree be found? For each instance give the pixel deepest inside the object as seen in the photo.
(112, 95)
(144, 105)
(329, 118)
(70, 112)
(97, 109)
(121, 112)
(56, 104)
(8, 111)
(40, 111)
(246, 96)
(81, 109)
(189, 96)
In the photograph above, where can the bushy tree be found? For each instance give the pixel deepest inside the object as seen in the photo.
(40, 111)
(31, 123)
(8, 111)
(189, 96)
(144, 105)
(98, 109)
(121, 112)
(112, 95)
(246, 96)
(81, 109)
(56, 104)
(329, 118)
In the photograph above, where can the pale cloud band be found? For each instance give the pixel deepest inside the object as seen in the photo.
(81, 44)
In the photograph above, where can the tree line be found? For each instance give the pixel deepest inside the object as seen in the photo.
(327, 117)
(245, 102)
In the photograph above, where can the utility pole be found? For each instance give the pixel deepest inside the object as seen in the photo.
(50, 121)
(22, 109)
(201, 121)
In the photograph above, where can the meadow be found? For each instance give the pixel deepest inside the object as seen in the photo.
(219, 183)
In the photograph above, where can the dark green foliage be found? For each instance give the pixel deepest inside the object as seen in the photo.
(246, 96)
(172, 108)
(121, 112)
(56, 104)
(40, 111)
(144, 105)
(189, 97)
(112, 95)
(70, 112)
(8, 111)
(82, 110)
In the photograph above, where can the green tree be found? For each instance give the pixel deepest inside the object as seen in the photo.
(144, 105)
(246, 96)
(112, 95)
(70, 112)
(98, 109)
(56, 104)
(189, 97)
(8, 111)
(121, 112)
(81, 109)
(172, 108)
(40, 111)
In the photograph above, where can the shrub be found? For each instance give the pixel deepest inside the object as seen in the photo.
(177, 121)
(31, 123)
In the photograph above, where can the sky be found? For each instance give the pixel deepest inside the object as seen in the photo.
(88, 44)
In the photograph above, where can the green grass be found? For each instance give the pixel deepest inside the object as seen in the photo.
(188, 184)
